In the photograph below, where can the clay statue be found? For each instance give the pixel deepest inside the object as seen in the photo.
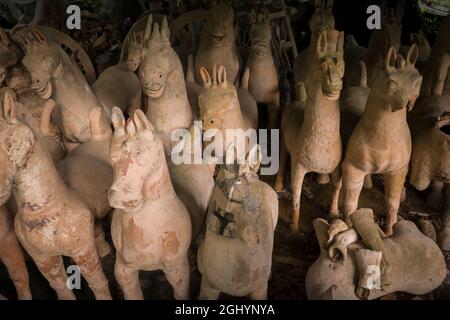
(12, 256)
(134, 52)
(220, 108)
(236, 255)
(118, 86)
(321, 20)
(218, 43)
(58, 77)
(444, 234)
(430, 164)
(263, 83)
(52, 220)
(30, 108)
(163, 82)
(381, 141)
(311, 128)
(376, 265)
(151, 228)
(10, 54)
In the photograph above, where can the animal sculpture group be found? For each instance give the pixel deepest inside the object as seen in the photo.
(78, 155)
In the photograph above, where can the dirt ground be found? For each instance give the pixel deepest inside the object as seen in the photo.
(292, 254)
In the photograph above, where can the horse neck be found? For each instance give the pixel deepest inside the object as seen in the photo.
(378, 116)
(38, 184)
(71, 86)
(158, 186)
(321, 113)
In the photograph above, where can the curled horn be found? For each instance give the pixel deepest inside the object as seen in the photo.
(4, 37)
(148, 28)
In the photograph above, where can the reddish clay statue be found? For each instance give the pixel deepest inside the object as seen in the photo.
(151, 228)
(163, 82)
(220, 108)
(311, 128)
(30, 111)
(12, 257)
(58, 77)
(236, 255)
(376, 265)
(52, 220)
(381, 141)
(218, 43)
(263, 82)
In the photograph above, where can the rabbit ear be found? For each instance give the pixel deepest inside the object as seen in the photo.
(118, 121)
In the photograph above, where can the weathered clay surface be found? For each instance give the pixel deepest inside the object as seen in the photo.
(263, 82)
(32, 108)
(163, 82)
(151, 228)
(411, 262)
(52, 220)
(58, 77)
(11, 255)
(218, 43)
(311, 128)
(120, 87)
(220, 108)
(236, 255)
(381, 142)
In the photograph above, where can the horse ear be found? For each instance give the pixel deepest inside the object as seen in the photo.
(253, 16)
(118, 121)
(205, 77)
(148, 28)
(413, 54)
(340, 44)
(322, 44)
(39, 36)
(330, 4)
(391, 58)
(222, 76)
(266, 15)
(141, 121)
(4, 38)
(9, 108)
(165, 31)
